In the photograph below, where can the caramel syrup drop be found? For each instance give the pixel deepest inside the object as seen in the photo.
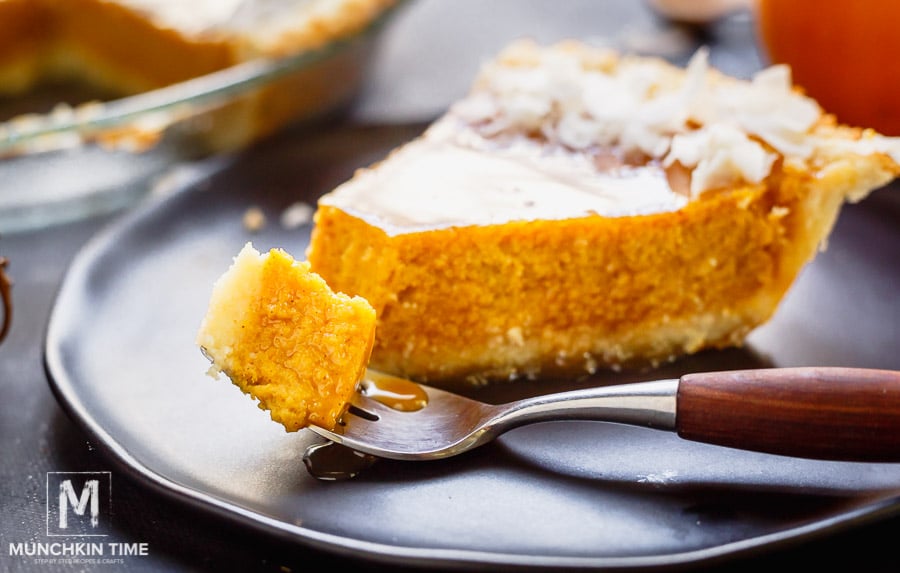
(393, 392)
(330, 461)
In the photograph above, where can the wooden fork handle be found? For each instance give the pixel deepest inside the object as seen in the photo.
(849, 414)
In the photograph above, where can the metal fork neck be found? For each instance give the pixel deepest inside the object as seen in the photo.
(647, 404)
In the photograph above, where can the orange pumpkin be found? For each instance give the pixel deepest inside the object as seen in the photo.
(844, 53)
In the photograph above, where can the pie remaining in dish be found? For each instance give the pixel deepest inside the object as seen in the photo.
(283, 337)
(580, 209)
(132, 46)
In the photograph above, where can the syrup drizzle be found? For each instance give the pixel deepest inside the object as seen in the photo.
(330, 461)
(393, 392)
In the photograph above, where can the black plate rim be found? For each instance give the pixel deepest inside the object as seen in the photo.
(64, 389)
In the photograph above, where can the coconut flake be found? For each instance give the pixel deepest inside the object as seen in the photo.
(648, 106)
(868, 145)
(720, 155)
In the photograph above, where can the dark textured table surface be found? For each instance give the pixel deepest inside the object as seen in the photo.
(36, 436)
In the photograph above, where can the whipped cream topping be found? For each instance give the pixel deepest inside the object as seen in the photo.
(724, 129)
(453, 176)
(561, 132)
(263, 20)
(195, 16)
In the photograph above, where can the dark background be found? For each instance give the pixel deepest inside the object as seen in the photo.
(426, 59)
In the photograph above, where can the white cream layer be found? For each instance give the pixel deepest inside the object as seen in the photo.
(453, 178)
(260, 18)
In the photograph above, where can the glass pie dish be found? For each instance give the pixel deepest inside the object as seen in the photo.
(96, 157)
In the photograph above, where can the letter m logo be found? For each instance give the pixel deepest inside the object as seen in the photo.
(78, 503)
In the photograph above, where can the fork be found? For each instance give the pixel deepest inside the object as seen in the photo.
(827, 413)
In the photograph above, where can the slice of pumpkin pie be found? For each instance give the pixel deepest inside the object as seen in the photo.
(285, 338)
(580, 209)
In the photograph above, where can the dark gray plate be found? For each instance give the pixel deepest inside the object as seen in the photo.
(121, 355)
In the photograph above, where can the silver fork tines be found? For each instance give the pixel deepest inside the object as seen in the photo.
(448, 425)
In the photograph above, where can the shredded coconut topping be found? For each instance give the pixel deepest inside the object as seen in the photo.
(724, 129)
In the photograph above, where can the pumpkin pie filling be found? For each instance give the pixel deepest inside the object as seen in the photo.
(515, 237)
